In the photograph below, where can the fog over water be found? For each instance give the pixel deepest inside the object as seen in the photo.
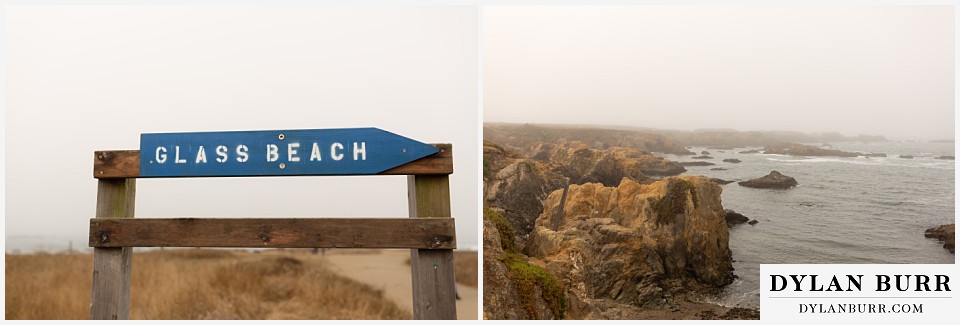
(882, 70)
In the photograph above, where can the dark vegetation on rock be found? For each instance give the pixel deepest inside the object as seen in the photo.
(773, 180)
(946, 157)
(514, 288)
(732, 160)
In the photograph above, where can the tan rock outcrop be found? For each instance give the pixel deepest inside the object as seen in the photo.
(634, 244)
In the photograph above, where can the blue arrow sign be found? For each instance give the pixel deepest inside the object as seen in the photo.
(358, 151)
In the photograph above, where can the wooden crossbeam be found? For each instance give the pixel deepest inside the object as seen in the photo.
(437, 233)
(109, 164)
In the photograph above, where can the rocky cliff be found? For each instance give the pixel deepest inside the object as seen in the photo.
(635, 244)
(518, 185)
(524, 137)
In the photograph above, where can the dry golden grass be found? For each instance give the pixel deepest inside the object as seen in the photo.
(196, 284)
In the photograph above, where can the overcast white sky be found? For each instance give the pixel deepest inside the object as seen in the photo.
(885, 70)
(85, 78)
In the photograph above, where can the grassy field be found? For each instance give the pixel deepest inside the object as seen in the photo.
(204, 284)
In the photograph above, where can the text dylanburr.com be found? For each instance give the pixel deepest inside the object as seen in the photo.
(857, 291)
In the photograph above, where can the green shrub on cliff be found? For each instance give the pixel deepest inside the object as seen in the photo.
(527, 276)
(674, 202)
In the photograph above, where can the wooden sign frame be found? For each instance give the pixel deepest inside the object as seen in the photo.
(429, 233)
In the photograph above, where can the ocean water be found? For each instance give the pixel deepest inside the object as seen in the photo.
(844, 210)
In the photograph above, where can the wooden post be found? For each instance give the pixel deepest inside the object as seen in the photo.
(434, 289)
(111, 266)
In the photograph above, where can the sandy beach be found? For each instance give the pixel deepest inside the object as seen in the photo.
(388, 270)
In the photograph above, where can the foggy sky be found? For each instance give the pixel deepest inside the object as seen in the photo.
(90, 78)
(885, 70)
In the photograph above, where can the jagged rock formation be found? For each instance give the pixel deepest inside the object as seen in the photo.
(773, 180)
(585, 165)
(518, 186)
(733, 218)
(634, 244)
(525, 136)
(944, 233)
(794, 149)
(506, 175)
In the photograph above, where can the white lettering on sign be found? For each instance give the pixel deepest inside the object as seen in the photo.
(222, 153)
(315, 154)
(333, 151)
(177, 159)
(242, 154)
(161, 158)
(292, 152)
(201, 156)
(272, 153)
(362, 150)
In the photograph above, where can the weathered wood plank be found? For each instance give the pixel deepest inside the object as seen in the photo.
(113, 164)
(110, 297)
(274, 233)
(440, 163)
(434, 288)
(116, 164)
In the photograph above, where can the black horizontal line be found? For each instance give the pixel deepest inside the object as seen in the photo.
(862, 297)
